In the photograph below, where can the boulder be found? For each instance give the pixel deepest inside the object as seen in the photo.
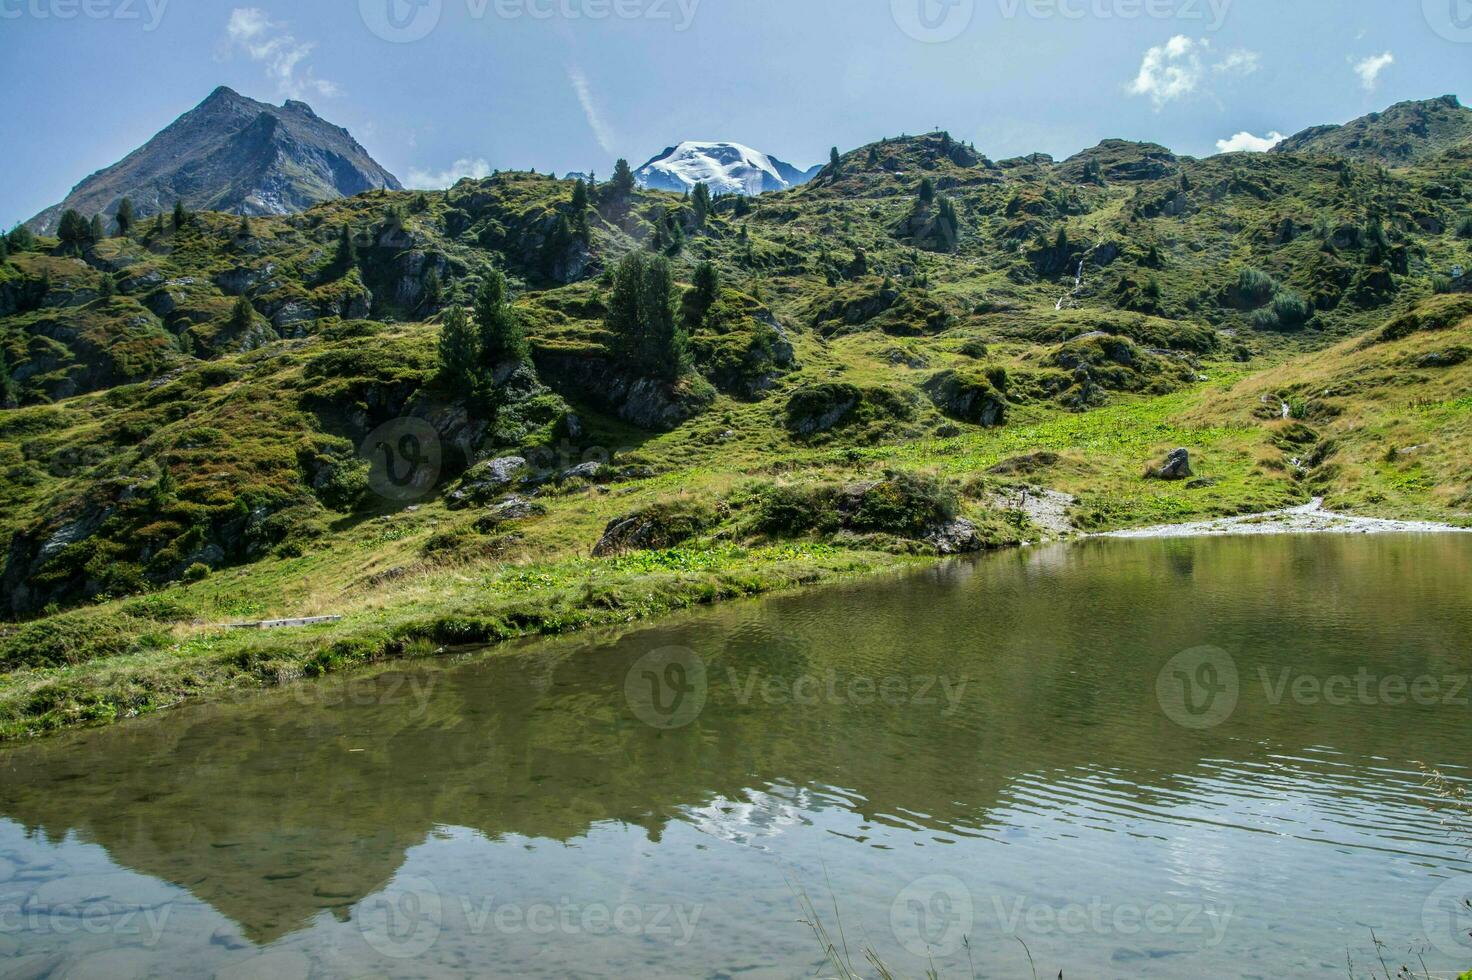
(955, 537)
(660, 525)
(1177, 467)
(487, 479)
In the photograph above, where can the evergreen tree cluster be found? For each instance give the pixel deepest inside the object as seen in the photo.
(648, 337)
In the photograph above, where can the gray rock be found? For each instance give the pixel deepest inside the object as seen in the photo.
(1177, 466)
(955, 537)
(583, 471)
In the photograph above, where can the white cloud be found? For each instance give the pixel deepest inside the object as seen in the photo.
(428, 180)
(1370, 68)
(268, 42)
(1248, 143)
(601, 132)
(1240, 62)
(1170, 71)
(1176, 69)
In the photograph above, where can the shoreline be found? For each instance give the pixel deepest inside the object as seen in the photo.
(1310, 518)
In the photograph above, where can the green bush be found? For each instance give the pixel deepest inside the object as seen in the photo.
(197, 572)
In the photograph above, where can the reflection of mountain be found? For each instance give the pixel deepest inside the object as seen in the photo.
(284, 806)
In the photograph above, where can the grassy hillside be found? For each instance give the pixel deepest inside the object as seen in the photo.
(908, 341)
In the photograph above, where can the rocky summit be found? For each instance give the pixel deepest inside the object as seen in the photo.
(235, 155)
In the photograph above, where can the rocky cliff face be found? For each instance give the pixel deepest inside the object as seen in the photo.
(231, 154)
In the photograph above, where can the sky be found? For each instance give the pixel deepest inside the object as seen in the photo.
(438, 89)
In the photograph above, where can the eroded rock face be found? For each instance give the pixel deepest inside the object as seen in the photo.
(649, 403)
(955, 537)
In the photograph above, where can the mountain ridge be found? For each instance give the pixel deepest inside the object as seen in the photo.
(232, 154)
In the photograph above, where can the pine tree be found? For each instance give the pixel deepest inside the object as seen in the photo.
(835, 162)
(7, 385)
(242, 317)
(873, 156)
(499, 330)
(109, 287)
(926, 193)
(622, 184)
(459, 353)
(579, 197)
(4, 249)
(158, 225)
(245, 231)
(125, 217)
(707, 290)
(181, 215)
(21, 239)
(74, 232)
(347, 250)
(701, 204)
(165, 490)
(95, 230)
(948, 223)
(648, 337)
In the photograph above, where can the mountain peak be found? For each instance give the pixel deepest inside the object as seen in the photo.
(725, 167)
(231, 153)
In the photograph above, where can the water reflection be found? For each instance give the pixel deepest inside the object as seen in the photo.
(991, 726)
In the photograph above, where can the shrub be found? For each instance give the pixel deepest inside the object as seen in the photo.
(1464, 228)
(197, 572)
(904, 504)
(1254, 288)
(1291, 309)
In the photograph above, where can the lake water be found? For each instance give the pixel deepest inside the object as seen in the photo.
(1116, 758)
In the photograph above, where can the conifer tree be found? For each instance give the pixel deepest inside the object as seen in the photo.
(579, 197)
(499, 329)
(641, 316)
(73, 231)
(181, 215)
(701, 204)
(242, 317)
(125, 217)
(7, 384)
(459, 353)
(703, 296)
(622, 184)
(95, 230)
(926, 193)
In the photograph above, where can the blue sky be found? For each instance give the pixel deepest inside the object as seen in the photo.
(574, 84)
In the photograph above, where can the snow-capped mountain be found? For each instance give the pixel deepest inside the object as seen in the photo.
(727, 168)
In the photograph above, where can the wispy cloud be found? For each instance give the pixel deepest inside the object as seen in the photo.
(272, 45)
(1369, 69)
(429, 180)
(601, 132)
(1178, 68)
(1248, 143)
(1239, 62)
